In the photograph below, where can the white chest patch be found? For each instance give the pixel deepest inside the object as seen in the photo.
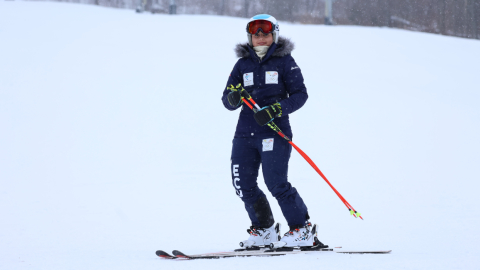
(271, 77)
(248, 79)
(267, 145)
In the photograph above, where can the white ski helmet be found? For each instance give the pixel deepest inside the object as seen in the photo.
(275, 30)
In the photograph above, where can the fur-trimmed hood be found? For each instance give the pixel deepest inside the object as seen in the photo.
(284, 47)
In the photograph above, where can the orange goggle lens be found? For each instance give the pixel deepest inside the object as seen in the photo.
(263, 25)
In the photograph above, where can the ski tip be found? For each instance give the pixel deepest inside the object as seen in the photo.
(163, 254)
(179, 254)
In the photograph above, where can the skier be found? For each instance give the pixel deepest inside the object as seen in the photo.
(268, 72)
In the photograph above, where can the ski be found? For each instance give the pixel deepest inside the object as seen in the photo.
(259, 253)
(244, 253)
(217, 255)
(364, 252)
(263, 252)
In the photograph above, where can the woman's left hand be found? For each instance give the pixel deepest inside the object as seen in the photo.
(267, 114)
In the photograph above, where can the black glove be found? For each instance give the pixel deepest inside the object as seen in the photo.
(235, 97)
(266, 114)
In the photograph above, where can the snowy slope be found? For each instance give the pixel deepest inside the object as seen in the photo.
(114, 142)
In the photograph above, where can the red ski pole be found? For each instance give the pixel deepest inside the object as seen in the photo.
(247, 99)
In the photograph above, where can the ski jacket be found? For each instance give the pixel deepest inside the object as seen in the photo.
(275, 78)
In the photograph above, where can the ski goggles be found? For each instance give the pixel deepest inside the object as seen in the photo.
(260, 25)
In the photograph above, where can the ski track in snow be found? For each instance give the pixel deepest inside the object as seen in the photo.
(114, 142)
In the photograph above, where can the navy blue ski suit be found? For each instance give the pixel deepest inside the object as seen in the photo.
(275, 78)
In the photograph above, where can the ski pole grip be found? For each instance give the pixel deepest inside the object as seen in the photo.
(245, 94)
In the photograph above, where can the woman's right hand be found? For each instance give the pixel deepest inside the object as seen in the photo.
(234, 98)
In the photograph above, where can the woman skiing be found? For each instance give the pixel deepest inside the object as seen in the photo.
(268, 72)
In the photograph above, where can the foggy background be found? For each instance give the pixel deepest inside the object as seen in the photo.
(448, 17)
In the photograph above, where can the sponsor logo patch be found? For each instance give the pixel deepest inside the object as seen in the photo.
(248, 79)
(267, 145)
(271, 77)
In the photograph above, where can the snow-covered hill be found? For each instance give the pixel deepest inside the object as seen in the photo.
(114, 142)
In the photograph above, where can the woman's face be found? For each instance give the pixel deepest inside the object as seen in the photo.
(261, 39)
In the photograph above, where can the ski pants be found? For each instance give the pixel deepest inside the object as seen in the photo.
(273, 154)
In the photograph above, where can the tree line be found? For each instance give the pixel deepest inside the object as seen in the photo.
(447, 17)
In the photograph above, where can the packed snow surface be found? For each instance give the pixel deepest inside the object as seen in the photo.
(114, 142)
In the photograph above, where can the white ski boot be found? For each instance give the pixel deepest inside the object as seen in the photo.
(261, 236)
(300, 237)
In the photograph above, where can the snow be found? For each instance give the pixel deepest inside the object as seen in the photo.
(114, 142)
